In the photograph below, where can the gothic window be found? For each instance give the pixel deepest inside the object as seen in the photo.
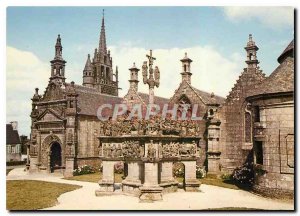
(258, 152)
(184, 68)
(250, 56)
(247, 127)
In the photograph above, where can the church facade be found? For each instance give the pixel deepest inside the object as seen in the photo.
(66, 133)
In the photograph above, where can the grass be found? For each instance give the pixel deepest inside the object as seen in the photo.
(94, 177)
(219, 182)
(33, 195)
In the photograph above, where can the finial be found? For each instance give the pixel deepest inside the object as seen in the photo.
(103, 12)
(250, 37)
(133, 64)
(88, 55)
(72, 83)
(185, 54)
(212, 95)
(36, 91)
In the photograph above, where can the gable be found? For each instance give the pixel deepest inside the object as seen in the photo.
(49, 115)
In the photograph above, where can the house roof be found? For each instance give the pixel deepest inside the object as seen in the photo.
(12, 136)
(207, 96)
(286, 52)
(282, 78)
(90, 99)
(157, 100)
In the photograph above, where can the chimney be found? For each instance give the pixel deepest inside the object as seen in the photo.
(14, 125)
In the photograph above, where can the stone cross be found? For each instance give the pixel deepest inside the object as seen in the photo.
(152, 81)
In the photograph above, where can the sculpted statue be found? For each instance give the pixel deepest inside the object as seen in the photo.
(151, 151)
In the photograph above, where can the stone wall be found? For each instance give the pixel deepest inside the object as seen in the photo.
(276, 133)
(233, 146)
(88, 131)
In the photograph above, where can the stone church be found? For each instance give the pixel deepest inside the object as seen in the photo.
(256, 118)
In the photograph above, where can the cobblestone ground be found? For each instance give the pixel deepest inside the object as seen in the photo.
(209, 197)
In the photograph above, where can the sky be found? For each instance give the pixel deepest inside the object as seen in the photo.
(213, 37)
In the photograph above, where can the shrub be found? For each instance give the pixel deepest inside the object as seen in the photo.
(200, 172)
(178, 170)
(119, 168)
(245, 173)
(226, 176)
(83, 170)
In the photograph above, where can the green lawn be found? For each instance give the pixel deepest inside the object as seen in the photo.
(219, 182)
(33, 195)
(95, 177)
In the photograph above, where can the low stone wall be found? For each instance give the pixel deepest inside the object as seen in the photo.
(91, 161)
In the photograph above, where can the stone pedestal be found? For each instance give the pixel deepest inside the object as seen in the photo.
(69, 167)
(151, 191)
(132, 182)
(191, 182)
(33, 164)
(107, 182)
(167, 181)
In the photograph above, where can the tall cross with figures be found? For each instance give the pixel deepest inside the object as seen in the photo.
(152, 81)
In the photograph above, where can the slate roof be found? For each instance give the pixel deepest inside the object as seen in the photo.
(12, 136)
(287, 51)
(207, 96)
(157, 100)
(282, 78)
(90, 99)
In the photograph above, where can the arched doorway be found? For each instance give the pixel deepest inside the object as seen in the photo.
(55, 157)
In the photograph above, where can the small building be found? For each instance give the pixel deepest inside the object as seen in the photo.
(13, 142)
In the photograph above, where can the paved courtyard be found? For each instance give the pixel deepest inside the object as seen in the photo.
(209, 197)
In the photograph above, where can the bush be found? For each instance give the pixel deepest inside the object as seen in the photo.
(227, 176)
(83, 170)
(200, 172)
(119, 168)
(178, 170)
(245, 173)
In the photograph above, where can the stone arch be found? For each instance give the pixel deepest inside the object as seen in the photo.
(46, 150)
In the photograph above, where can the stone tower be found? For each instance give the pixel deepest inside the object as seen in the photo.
(251, 49)
(134, 77)
(88, 75)
(99, 73)
(186, 69)
(58, 64)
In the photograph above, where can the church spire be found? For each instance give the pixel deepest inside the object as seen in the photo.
(58, 64)
(88, 76)
(102, 42)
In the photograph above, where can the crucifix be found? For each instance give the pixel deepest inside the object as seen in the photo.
(152, 81)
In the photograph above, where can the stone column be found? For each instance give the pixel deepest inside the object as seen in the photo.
(191, 183)
(151, 191)
(167, 180)
(107, 182)
(213, 152)
(132, 182)
(69, 167)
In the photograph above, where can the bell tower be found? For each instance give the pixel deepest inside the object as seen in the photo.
(186, 69)
(58, 64)
(251, 50)
(134, 77)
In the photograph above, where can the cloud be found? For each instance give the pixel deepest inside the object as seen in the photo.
(24, 72)
(212, 72)
(273, 17)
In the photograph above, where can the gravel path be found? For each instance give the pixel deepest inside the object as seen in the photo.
(209, 197)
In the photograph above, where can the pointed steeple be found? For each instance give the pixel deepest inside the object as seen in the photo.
(102, 42)
(88, 65)
(58, 48)
(58, 64)
(88, 76)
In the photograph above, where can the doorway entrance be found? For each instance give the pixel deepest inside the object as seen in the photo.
(55, 157)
